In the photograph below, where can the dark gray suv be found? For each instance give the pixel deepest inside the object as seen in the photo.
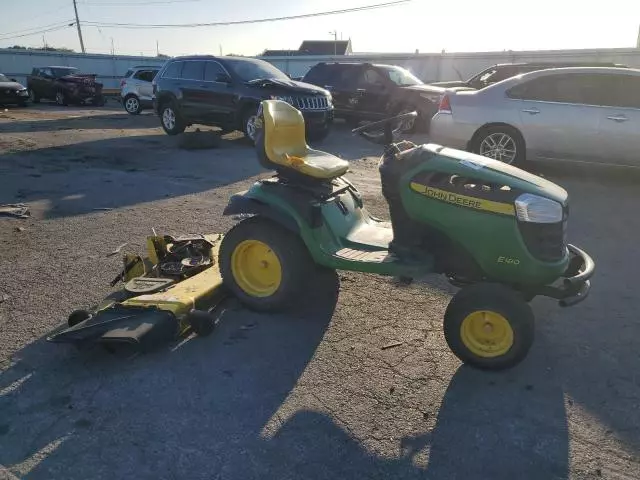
(226, 92)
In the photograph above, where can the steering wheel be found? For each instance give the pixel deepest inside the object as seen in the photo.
(385, 122)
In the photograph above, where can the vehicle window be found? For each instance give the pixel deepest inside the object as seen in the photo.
(45, 72)
(345, 77)
(144, 75)
(482, 78)
(174, 70)
(249, 69)
(370, 79)
(628, 91)
(317, 75)
(212, 70)
(61, 72)
(128, 74)
(399, 76)
(193, 70)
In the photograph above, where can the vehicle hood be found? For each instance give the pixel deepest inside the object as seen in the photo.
(289, 86)
(425, 88)
(451, 83)
(84, 78)
(15, 86)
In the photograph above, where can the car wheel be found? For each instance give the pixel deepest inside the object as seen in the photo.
(132, 104)
(171, 121)
(502, 143)
(34, 97)
(249, 127)
(61, 98)
(318, 135)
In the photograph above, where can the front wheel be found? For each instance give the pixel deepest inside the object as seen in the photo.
(264, 265)
(489, 326)
(170, 119)
(249, 127)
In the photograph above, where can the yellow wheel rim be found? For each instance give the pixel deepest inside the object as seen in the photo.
(256, 268)
(486, 334)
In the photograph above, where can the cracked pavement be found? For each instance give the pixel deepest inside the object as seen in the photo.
(359, 385)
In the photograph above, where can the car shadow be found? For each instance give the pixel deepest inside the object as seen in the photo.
(118, 172)
(107, 121)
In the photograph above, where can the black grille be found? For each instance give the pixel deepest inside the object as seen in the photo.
(312, 103)
(545, 241)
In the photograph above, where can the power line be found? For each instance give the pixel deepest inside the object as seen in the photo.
(37, 31)
(129, 4)
(23, 30)
(242, 22)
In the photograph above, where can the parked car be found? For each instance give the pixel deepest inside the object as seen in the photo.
(226, 92)
(12, 92)
(368, 92)
(64, 85)
(583, 114)
(136, 90)
(497, 73)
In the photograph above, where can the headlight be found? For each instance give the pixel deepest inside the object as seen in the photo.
(535, 209)
(288, 99)
(23, 92)
(329, 101)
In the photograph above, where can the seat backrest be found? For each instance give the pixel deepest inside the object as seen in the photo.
(283, 131)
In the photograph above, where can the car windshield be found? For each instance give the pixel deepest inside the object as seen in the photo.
(252, 69)
(61, 72)
(3, 78)
(401, 77)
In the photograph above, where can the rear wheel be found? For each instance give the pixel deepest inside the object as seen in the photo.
(34, 96)
(489, 326)
(500, 142)
(266, 266)
(61, 98)
(132, 104)
(171, 121)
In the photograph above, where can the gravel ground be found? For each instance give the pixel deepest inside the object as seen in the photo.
(306, 395)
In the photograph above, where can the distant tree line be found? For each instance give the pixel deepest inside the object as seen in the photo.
(46, 48)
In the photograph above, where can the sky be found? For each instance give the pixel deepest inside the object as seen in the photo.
(424, 25)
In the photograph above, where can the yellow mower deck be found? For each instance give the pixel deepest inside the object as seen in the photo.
(182, 297)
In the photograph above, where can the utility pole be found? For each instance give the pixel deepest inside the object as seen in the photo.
(335, 41)
(75, 8)
(157, 49)
(638, 41)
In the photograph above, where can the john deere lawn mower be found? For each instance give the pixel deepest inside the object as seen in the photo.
(496, 232)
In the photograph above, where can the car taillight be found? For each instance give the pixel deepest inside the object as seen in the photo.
(123, 82)
(445, 105)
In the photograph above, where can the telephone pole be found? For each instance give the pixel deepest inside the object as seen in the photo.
(335, 41)
(75, 8)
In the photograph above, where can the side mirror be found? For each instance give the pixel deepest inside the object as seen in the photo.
(223, 78)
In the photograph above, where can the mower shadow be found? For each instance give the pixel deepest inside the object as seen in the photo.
(199, 411)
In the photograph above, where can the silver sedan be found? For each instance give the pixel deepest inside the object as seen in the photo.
(587, 114)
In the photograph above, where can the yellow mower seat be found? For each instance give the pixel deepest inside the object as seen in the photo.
(285, 144)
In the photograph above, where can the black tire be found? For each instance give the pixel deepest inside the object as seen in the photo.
(495, 299)
(132, 105)
(178, 124)
(496, 130)
(61, 98)
(77, 316)
(34, 96)
(203, 323)
(247, 115)
(296, 265)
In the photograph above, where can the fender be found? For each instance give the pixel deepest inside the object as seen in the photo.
(239, 204)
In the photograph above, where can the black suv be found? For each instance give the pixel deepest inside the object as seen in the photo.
(497, 73)
(226, 92)
(368, 92)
